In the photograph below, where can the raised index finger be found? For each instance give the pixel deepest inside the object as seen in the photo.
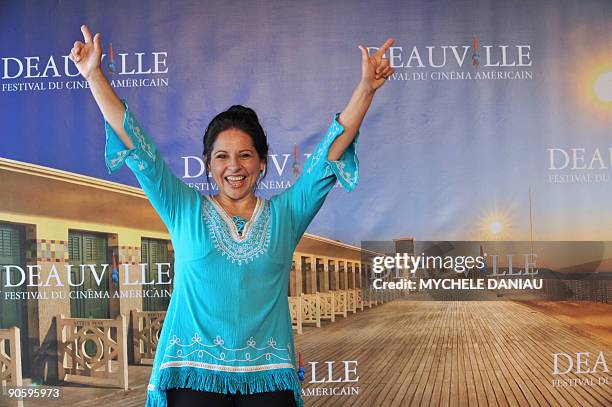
(383, 48)
(86, 34)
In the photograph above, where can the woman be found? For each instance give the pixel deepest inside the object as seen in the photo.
(227, 338)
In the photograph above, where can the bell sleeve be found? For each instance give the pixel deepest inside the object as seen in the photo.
(304, 199)
(168, 195)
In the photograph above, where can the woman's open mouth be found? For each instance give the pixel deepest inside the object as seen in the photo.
(235, 181)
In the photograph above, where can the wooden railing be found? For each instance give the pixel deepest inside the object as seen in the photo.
(146, 328)
(360, 299)
(327, 306)
(93, 351)
(311, 310)
(340, 303)
(295, 309)
(10, 364)
(351, 299)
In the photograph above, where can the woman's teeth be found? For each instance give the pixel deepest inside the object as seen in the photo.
(235, 181)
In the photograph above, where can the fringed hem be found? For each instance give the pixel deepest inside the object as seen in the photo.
(223, 382)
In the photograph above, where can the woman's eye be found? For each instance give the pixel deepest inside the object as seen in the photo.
(246, 155)
(222, 156)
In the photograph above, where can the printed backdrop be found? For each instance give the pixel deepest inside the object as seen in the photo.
(496, 109)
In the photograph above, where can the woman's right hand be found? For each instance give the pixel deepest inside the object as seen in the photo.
(87, 56)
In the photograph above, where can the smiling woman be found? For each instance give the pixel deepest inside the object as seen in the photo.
(227, 338)
(235, 153)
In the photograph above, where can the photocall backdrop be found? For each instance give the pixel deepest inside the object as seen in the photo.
(490, 102)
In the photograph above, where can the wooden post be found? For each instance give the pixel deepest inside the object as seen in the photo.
(311, 275)
(293, 279)
(16, 356)
(298, 273)
(122, 353)
(136, 327)
(61, 338)
(326, 287)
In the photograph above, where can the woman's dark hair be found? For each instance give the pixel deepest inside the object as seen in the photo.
(236, 117)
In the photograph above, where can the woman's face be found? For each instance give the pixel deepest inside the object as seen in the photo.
(234, 164)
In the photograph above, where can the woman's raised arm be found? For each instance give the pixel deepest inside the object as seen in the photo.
(127, 142)
(87, 57)
(374, 72)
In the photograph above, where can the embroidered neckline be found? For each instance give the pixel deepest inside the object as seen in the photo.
(238, 247)
(236, 233)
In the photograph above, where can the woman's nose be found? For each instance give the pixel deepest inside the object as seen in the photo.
(234, 162)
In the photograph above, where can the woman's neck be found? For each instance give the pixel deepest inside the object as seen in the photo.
(243, 207)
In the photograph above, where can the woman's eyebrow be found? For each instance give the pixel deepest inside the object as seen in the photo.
(249, 150)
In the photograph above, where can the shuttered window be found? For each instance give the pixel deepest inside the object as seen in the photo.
(152, 252)
(13, 312)
(87, 250)
(10, 244)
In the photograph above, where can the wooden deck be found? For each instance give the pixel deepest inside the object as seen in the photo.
(454, 354)
(425, 353)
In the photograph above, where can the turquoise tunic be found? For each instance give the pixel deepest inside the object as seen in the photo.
(228, 327)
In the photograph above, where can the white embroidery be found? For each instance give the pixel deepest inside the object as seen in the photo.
(210, 366)
(334, 130)
(119, 158)
(140, 141)
(255, 237)
(199, 349)
(347, 176)
(337, 167)
(143, 144)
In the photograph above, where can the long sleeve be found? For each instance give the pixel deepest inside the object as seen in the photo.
(167, 193)
(304, 199)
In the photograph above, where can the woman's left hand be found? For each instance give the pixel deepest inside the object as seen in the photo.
(375, 69)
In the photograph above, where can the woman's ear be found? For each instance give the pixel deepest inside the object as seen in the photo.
(206, 164)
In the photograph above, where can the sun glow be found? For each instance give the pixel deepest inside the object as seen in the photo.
(495, 225)
(594, 86)
(603, 87)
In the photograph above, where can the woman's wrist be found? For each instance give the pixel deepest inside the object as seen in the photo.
(95, 76)
(365, 88)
